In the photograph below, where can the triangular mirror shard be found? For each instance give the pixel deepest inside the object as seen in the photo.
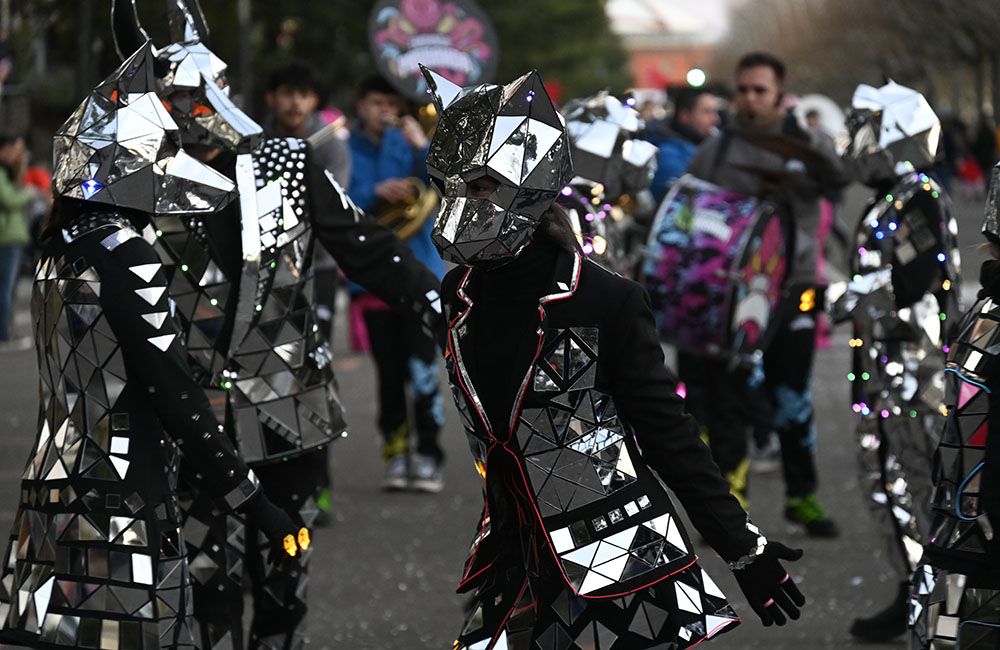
(145, 271)
(151, 294)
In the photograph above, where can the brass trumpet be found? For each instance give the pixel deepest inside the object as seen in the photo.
(405, 219)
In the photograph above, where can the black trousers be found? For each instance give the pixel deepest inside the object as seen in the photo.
(788, 365)
(405, 355)
(721, 399)
(222, 548)
(716, 398)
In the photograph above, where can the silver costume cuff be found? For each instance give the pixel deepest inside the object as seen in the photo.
(242, 492)
(758, 550)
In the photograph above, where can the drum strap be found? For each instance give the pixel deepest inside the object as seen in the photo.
(720, 153)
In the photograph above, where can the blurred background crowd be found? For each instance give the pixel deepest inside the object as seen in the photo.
(673, 57)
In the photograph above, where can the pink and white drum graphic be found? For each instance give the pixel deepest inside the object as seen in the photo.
(715, 265)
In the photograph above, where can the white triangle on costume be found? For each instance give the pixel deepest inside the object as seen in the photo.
(593, 582)
(659, 524)
(625, 463)
(688, 598)
(121, 465)
(57, 472)
(162, 342)
(42, 596)
(715, 624)
(674, 536)
(155, 318)
(44, 435)
(709, 585)
(607, 552)
(150, 294)
(145, 271)
(583, 556)
(614, 568)
(624, 538)
(502, 128)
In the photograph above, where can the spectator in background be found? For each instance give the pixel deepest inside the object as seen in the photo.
(696, 117)
(387, 149)
(13, 230)
(294, 95)
(796, 188)
(984, 148)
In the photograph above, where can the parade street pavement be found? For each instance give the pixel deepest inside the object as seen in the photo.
(383, 575)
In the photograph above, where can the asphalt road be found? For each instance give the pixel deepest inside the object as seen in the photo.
(383, 574)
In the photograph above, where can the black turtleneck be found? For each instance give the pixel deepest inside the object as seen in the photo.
(506, 310)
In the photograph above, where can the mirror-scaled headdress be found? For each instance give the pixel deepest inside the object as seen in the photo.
(124, 145)
(892, 130)
(511, 134)
(605, 145)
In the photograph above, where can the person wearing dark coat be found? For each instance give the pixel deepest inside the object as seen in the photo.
(559, 378)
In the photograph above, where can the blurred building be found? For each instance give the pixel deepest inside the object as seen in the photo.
(666, 39)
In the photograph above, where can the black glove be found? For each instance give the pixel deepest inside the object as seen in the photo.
(768, 587)
(289, 537)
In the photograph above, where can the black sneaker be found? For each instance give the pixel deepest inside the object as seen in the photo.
(425, 474)
(397, 473)
(811, 514)
(887, 624)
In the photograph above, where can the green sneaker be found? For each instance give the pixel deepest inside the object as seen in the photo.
(811, 514)
(324, 505)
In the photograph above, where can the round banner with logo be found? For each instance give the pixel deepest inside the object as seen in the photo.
(452, 37)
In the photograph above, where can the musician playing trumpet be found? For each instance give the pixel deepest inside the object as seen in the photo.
(389, 180)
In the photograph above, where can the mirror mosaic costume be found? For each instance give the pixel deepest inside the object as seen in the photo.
(901, 302)
(597, 556)
(955, 600)
(219, 255)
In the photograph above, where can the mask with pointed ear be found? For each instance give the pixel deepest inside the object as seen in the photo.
(128, 34)
(514, 136)
(187, 22)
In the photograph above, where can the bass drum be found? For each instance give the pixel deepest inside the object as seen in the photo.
(715, 267)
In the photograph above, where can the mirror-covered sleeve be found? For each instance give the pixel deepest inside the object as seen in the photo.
(645, 393)
(371, 254)
(135, 303)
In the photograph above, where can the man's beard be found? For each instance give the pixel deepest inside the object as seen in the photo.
(753, 120)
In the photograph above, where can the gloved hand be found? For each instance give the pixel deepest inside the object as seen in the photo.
(288, 539)
(768, 587)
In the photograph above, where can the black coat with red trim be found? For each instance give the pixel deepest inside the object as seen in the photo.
(569, 478)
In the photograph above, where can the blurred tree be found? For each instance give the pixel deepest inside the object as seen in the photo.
(948, 50)
(585, 56)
